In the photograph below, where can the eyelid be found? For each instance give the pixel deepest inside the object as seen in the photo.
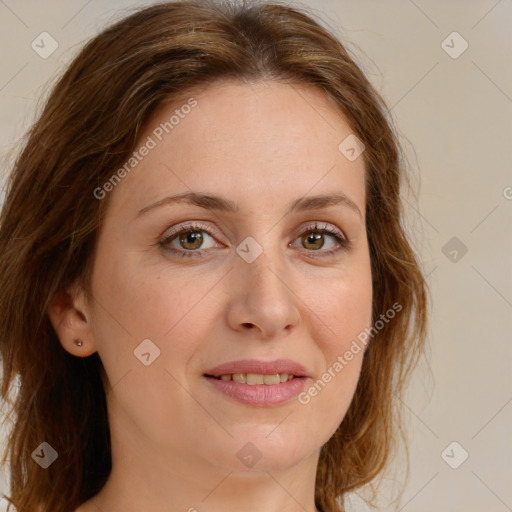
(313, 225)
(321, 226)
(192, 225)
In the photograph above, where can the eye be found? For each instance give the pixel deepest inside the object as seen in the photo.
(189, 240)
(313, 239)
(186, 240)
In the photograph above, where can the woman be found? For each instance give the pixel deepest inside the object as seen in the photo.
(208, 296)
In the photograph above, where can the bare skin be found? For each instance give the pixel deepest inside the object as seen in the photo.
(175, 438)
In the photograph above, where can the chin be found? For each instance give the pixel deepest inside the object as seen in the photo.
(271, 448)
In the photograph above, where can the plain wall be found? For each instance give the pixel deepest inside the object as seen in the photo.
(455, 118)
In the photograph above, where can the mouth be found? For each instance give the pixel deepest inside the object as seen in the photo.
(258, 390)
(258, 383)
(254, 379)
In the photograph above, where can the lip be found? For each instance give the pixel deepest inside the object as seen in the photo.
(259, 395)
(259, 366)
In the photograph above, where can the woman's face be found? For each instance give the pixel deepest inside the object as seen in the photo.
(253, 276)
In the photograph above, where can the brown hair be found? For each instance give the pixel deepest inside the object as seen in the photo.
(50, 221)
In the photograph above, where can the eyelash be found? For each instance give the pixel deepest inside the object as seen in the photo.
(344, 243)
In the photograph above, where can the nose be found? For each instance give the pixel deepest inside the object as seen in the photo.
(262, 298)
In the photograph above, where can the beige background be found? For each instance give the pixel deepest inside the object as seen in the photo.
(455, 115)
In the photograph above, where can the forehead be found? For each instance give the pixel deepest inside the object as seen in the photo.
(264, 137)
(268, 111)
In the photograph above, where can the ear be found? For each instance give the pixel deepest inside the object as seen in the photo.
(70, 317)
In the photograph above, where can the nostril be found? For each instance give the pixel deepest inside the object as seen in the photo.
(247, 325)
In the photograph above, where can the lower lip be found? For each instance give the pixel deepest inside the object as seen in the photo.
(260, 395)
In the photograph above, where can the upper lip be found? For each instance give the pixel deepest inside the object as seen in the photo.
(259, 366)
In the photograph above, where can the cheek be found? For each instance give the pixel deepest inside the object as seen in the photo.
(342, 311)
(346, 313)
(329, 395)
(350, 311)
(342, 308)
(145, 301)
(137, 304)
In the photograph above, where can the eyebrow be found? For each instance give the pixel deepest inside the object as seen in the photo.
(216, 203)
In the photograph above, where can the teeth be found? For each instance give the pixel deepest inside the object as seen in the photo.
(271, 379)
(254, 378)
(257, 378)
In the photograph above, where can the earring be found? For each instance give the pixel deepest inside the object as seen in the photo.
(78, 342)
